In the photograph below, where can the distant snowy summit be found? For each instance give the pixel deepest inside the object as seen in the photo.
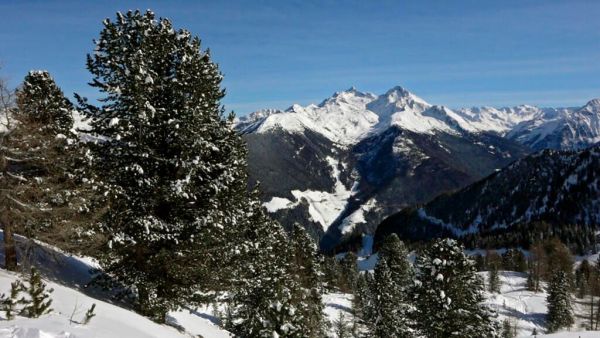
(349, 116)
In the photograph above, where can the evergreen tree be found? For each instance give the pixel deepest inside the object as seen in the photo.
(479, 262)
(39, 297)
(531, 284)
(341, 327)
(391, 309)
(448, 294)
(348, 272)
(508, 330)
(306, 264)
(560, 312)
(8, 304)
(266, 299)
(493, 279)
(40, 99)
(171, 170)
(331, 273)
(38, 195)
(582, 278)
(363, 302)
(514, 260)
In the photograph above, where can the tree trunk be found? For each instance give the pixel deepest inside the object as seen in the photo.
(10, 249)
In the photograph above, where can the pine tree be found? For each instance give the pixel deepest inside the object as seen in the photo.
(531, 285)
(171, 169)
(448, 294)
(42, 100)
(341, 327)
(331, 273)
(582, 278)
(560, 312)
(514, 260)
(9, 303)
(306, 265)
(507, 329)
(348, 272)
(39, 297)
(265, 298)
(38, 195)
(362, 302)
(493, 279)
(393, 273)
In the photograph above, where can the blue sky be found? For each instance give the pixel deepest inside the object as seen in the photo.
(275, 53)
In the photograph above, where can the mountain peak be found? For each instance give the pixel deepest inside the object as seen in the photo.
(349, 94)
(593, 105)
(403, 96)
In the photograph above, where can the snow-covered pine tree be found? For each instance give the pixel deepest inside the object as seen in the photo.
(39, 98)
(306, 265)
(390, 311)
(264, 300)
(396, 254)
(362, 302)
(391, 306)
(37, 188)
(560, 312)
(448, 294)
(171, 167)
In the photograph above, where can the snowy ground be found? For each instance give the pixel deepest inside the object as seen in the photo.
(336, 303)
(67, 275)
(527, 309)
(111, 320)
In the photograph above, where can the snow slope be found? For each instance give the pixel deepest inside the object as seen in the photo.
(68, 275)
(110, 321)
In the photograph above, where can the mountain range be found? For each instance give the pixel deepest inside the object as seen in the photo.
(345, 164)
(532, 198)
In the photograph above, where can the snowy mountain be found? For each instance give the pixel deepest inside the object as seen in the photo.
(342, 118)
(349, 116)
(551, 192)
(564, 128)
(357, 157)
